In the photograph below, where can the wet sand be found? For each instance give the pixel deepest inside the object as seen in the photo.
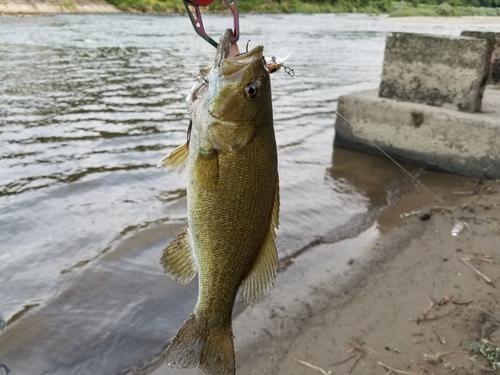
(410, 305)
(469, 20)
(397, 297)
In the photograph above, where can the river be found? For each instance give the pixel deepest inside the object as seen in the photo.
(88, 105)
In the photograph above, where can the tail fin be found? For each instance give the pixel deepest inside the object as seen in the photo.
(197, 344)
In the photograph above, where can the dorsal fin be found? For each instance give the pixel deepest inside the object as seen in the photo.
(259, 282)
(178, 259)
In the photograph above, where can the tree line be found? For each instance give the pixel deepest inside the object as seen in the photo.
(393, 8)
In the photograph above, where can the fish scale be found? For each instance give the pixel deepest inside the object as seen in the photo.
(230, 240)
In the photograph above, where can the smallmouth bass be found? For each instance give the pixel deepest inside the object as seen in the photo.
(233, 204)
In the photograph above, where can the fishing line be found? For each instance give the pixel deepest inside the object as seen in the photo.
(291, 73)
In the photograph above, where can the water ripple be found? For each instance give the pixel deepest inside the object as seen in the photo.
(88, 105)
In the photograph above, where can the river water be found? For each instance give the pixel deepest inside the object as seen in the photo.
(88, 105)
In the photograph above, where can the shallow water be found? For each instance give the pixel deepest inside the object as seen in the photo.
(88, 105)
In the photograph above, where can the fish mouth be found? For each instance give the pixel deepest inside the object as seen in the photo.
(228, 58)
(225, 49)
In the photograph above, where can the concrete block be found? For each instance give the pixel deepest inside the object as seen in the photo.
(443, 71)
(494, 40)
(457, 142)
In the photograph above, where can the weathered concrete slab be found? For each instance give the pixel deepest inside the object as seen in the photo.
(492, 37)
(443, 71)
(457, 142)
(494, 40)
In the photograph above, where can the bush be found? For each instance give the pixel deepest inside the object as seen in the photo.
(447, 10)
(385, 6)
(399, 7)
(371, 10)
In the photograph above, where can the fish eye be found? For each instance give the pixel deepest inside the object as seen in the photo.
(252, 90)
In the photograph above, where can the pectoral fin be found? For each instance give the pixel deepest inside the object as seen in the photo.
(259, 282)
(178, 259)
(176, 160)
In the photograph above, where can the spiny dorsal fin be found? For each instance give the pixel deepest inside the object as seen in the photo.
(178, 259)
(176, 160)
(259, 282)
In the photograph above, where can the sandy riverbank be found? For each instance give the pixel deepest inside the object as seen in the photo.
(56, 6)
(470, 20)
(411, 305)
(400, 297)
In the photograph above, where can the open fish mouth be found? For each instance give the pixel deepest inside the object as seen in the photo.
(228, 58)
(225, 49)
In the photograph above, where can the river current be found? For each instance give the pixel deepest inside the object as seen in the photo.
(88, 105)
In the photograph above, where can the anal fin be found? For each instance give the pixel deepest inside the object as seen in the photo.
(178, 259)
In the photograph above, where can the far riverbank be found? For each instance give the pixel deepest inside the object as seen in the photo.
(56, 7)
(478, 20)
(427, 13)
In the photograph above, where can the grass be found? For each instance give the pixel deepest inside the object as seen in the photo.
(472, 11)
(488, 350)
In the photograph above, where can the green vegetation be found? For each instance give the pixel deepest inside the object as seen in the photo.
(68, 4)
(488, 350)
(435, 8)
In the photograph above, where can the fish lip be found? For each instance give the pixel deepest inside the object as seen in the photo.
(226, 50)
(223, 46)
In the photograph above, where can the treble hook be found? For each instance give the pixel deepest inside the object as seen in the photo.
(193, 9)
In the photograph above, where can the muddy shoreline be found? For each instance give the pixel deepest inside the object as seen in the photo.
(410, 304)
(469, 20)
(399, 296)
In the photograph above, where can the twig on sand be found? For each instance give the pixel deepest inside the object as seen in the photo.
(441, 209)
(468, 227)
(313, 367)
(479, 273)
(435, 358)
(356, 362)
(423, 317)
(487, 312)
(441, 340)
(363, 351)
(483, 259)
(345, 360)
(466, 302)
(392, 369)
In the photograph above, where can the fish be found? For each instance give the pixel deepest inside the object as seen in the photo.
(233, 204)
